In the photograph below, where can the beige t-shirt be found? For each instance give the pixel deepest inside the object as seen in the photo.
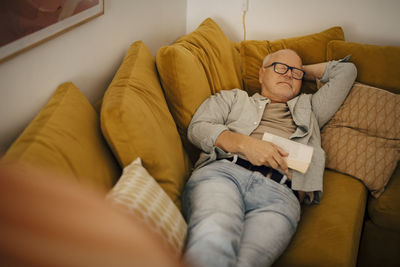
(277, 120)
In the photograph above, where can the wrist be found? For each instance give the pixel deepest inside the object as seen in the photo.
(241, 144)
(314, 71)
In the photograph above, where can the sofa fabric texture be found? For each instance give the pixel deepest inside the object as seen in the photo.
(379, 246)
(332, 229)
(136, 122)
(384, 211)
(380, 243)
(65, 137)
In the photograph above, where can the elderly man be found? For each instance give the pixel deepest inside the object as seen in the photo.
(242, 202)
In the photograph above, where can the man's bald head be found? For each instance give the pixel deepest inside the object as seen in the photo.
(276, 86)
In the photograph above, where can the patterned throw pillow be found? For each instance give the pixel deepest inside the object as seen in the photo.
(363, 138)
(142, 196)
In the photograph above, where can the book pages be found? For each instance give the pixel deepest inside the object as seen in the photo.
(299, 155)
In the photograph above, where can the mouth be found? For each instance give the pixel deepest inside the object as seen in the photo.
(286, 83)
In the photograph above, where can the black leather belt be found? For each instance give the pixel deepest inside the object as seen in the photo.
(264, 170)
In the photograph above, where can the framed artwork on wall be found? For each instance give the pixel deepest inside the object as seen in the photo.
(27, 23)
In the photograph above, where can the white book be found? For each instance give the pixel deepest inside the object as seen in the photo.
(299, 155)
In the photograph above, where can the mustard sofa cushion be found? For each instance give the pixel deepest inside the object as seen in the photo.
(363, 138)
(65, 137)
(136, 122)
(138, 193)
(376, 65)
(328, 234)
(186, 87)
(311, 48)
(385, 211)
(194, 67)
(379, 246)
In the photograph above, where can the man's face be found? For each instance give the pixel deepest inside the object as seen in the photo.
(280, 87)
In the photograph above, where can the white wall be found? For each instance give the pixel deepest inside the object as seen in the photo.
(364, 21)
(88, 55)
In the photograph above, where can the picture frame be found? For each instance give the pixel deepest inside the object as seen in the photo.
(19, 33)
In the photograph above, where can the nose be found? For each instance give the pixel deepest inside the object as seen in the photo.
(289, 73)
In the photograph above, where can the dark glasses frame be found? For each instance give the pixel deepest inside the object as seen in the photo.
(287, 69)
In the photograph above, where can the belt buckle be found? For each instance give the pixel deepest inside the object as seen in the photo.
(283, 180)
(235, 157)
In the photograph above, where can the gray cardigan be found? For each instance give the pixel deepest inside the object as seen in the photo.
(234, 110)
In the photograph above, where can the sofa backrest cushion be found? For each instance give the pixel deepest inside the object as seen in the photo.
(194, 67)
(376, 65)
(136, 122)
(311, 48)
(65, 137)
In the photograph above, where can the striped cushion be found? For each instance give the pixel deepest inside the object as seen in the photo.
(142, 196)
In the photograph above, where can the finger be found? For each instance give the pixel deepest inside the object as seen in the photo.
(281, 162)
(273, 164)
(281, 151)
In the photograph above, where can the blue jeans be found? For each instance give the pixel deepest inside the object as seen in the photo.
(237, 217)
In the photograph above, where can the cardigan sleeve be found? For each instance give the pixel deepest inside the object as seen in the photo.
(338, 77)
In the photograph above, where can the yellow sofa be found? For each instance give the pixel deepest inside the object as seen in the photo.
(145, 113)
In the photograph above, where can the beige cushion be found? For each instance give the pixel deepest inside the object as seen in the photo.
(196, 66)
(363, 138)
(136, 122)
(139, 194)
(311, 48)
(65, 136)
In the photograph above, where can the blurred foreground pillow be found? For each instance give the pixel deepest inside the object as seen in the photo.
(49, 221)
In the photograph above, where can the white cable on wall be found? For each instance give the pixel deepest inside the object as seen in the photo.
(244, 25)
(245, 7)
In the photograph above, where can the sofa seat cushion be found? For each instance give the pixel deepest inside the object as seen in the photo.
(136, 122)
(65, 136)
(385, 211)
(311, 48)
(332, 229)
(379, 246)
(197, 65)
(376, 65)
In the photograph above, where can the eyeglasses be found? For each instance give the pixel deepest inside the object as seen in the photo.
(282, 68)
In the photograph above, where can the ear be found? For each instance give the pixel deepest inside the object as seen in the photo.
(260, 74)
